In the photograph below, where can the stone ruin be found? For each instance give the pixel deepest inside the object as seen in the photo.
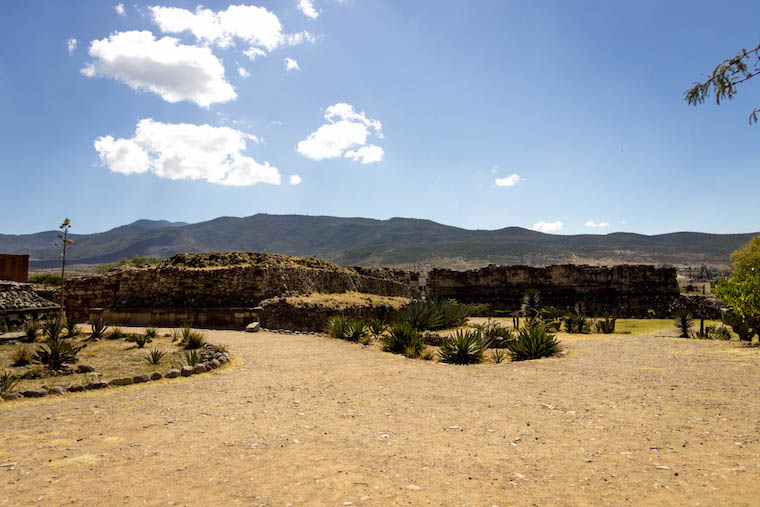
(625, 291)
(20, 304)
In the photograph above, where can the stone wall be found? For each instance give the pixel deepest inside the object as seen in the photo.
(19, 304)
(628, 290)
(311, 313)
(236, 286)
(14, 268)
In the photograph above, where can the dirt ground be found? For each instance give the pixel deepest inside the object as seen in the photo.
(307, 420)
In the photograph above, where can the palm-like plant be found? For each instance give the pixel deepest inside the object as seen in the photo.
(498, 356)
(463, 347)
(191, 357)
(377, 327)
(71, 327)
(194, 340)
(7, 382)
(530, 307)
(154, 356)
(98, 326)
(54, 353)
(684, 322)
(50, 330)
(533, 342)
(403, 339)
(151, 332)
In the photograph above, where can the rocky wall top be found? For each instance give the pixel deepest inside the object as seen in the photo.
(20, 296)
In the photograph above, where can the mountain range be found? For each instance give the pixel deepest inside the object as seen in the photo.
(404, 242)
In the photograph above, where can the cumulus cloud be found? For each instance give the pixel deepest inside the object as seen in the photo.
(252, 53)
(255, 26)
(295, 179)
(243, 72)
(600, 225)
(185, 151)
(119, 8)
(509, 181)
(548, 227)
(307, 8)
(344, 135)
(291, 64)
(71, 45)
(165, 67)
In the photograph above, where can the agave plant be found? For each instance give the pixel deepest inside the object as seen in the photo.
(22, 355)
(194, 340)
(7, 382)
(51, 330)
(116, 333)
(684, 322)
(154, 356)
(403, 338)
(140, 339)
(191, 357)
(463, 347)
(606, 326)
(54, 353)
(176, 335)
(71, 327)
(337, 327)
(530, 307)
(377, 327)
(356, 331)
(98, 326)
(31, 331)
(151, 332)
(498, 356)
(533, 342)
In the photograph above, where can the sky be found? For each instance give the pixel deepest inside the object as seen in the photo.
(562, 116)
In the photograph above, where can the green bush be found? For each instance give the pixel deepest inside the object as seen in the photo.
(31, 331)
(739, 325)
(50, 330)
(403, 338)
(116, 333)
(337, 327)
(140, 339)
(98, 327)
(194, 340)
(54, 353)
(606, 326)
(719, 332)
(71, 327)
(191, 358)
(530, 306)
(22, 355)
(151, 332)
(498, 356)
(135, 261)
(377, 327)
(46, 279)
(463, 347)
(7, 382)
(154, 356)
(684, 322)
(435, 314)
(356, 331)
(533, 342)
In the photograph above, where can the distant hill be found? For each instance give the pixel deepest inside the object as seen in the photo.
(363, 241)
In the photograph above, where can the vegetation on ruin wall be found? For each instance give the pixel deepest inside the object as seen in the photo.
(136, 262)
(346, 300)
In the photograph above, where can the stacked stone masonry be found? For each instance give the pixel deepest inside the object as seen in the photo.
(19, 304)
(628, 290)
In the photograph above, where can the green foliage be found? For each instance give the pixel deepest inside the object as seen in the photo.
(498, 356)
(154, 356)
(435, 314)
(723, 80)
(427, 355)
(337, 327)
(494, 333)
(22, 355)
(54, 353)
(365, 340)
(741, 290)
(140, 339)
(191, 357)
(71, 327)
(135, 261)
(533, 342)
(194, 340)
(116, 333)
(402, 338)
(577, 321)
(151, 332)
(718, 332)
(98, 326)
(176, 335)
(377, 327)
(7, 382)
(356, 330)
(606, 326)
(463, 347)
(530, 306)
(46, 279)
(739, 325)
(651, 314)
(31, 331)
(684, 322)
(50, 330)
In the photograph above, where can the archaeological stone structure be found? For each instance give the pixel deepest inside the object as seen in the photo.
(20, 304)
(217, 289)
(14, 267)
(627, 290)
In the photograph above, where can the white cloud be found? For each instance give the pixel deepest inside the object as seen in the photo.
(548, 227)
(509, 181)
(344, 135)
(291, 64)
(71, 45)
(295, 179)
(295, 39)
(165, 67)
(252, 53)
(276, 123)
(243, 72)
(186, 152)
(256, 26)
(366, 154)
(307, 8)
(600, 225)
(120, 10)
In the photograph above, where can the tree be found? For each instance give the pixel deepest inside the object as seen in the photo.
(63, 245)
(741, 290)
(726, 76)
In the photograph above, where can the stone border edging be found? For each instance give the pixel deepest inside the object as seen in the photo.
(213, 360)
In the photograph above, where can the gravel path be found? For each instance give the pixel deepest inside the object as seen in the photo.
(314, 421)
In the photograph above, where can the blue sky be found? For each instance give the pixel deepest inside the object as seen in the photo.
(397, 108)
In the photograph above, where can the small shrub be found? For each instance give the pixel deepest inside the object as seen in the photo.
(498, 356)
(401, 338)
(427, 355)
(54, 353)
(140, 339)
(176, 335)
(684, 322)
(606, 326)
(151, 332)
(365, 340)
(377, 327)
(99, 327)
(71, 327)
(7, 382)
(569, 323)
(46, 279)
(530, 306)
(31, 332)
(533, 343)
(463, 347)
(435, 314)
(411, 352)
(191, 357)
(194, 340)
(155, 356)
(739, 325)
(720, 333)
(337, 327)
(116, 333)
(50, 329)
(356, 331)
(22, 355)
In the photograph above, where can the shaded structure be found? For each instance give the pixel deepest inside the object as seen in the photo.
(14, 267)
